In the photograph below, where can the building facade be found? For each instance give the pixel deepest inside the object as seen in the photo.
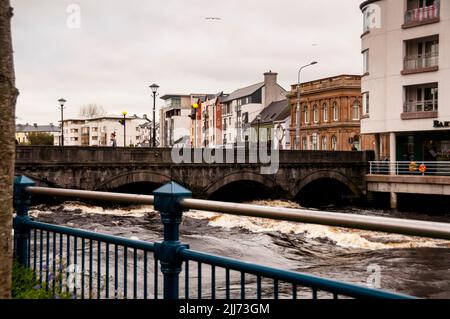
(174, 120)
(272, 126)
(22, 131)
(240, 108)
(406, 50)
(103, 131)
(330, 116)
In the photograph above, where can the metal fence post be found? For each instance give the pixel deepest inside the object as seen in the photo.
(168, 252)
(21, 230)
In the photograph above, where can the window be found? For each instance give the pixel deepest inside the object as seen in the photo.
(305, 143)
(325, 113)
(74, 130)
(335, 112)
(95, 129)
(324, 144)
(94, 138)
(314, 145)
(334, 143)
(315, 114)
(355, 111)
(306, 114)
(366, 106)
(366, 61)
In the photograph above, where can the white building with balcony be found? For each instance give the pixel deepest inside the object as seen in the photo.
(103, 131)
(406, 49)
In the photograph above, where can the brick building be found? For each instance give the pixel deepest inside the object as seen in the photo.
(331, 110)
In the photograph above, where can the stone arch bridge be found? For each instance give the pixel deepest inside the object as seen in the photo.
(109, 169)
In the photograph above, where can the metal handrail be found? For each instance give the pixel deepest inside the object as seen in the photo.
(421, 106)
(372, 223)
(350, 290)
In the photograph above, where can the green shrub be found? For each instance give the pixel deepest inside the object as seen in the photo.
(25, 285)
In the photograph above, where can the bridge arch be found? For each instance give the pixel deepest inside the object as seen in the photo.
(324, 184)
(234, 178)
(130, 178)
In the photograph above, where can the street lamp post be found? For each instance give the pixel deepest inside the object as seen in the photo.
(61, 103)
(298, 117)
(154, 88)
(124, 129)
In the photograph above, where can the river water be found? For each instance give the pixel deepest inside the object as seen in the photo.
(409, 265)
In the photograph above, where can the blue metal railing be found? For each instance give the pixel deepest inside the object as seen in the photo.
(98, 266)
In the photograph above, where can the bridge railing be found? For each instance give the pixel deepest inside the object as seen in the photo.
(420, 168)
(92, 265)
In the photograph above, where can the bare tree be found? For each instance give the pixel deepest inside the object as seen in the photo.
(8, 98)
(91, 110)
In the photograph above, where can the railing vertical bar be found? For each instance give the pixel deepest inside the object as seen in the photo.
(145, 275)
(213, 282)
(156, 278)
(75, 262)
(227, 283)
(35, 250)
(107, 272)
(275, 289)
(116, 272)
(335, 296)
(54, 264)
(258, 287)
(314, 293)
(47, 259)
(242, 285)
(40, 256)
(29, 251)
(61, 274)
(83, 270)
(99, 269)
(294, 291)
(199, 280)
(91, 244)
(135, 273)
(68, 262)
(125, 272)
(186, 279)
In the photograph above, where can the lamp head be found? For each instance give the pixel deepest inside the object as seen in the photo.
(124, 113)
(62, 102)
(154, 87)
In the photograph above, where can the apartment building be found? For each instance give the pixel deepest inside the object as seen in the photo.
(240, 108)
(405, 87)
(330, 116)
(103, 131)
(175, 121)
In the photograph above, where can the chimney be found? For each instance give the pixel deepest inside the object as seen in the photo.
(272, 90)
(35, 124)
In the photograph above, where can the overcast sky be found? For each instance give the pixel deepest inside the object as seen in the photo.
(121, 47)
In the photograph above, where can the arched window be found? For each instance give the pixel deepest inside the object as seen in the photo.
(335, 112)
(325, 113)
(324, 143)
(315, 114)
(306, 114)
(334, 143)
(355, 111)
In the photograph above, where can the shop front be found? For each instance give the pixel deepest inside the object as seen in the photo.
(424, 146)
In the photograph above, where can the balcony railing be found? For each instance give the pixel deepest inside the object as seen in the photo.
(421, 61)
(421, 106)
(423, 14)
(410, 168)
